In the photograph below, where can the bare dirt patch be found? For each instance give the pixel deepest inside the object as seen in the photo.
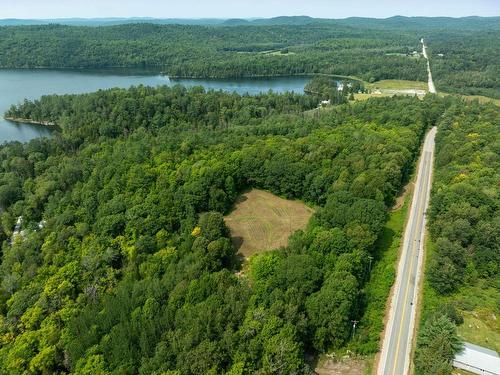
(400, 200)
(347, 366)
(262, 221)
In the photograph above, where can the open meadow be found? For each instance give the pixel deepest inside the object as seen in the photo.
(263, 221)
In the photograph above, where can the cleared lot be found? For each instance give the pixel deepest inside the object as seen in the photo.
(262, 221)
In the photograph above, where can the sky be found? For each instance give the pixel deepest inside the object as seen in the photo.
(244, 9)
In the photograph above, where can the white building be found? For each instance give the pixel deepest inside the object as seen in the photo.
(478, 360)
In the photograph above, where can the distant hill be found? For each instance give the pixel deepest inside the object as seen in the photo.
(236, 22)
(396, 22)
(19, 22)
(295, 20)
(111, 21)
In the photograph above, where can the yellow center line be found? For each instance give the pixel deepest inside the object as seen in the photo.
(419, 208)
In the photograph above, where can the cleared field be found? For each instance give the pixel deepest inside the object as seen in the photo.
(368, 96)
(481, 328)
(397, 85)
(480, 98)
(392, 87)
(262, 221)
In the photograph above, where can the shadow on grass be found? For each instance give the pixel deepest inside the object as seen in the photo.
(237, 242)
(383, 243)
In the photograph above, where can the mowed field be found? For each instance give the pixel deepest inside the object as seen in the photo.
(262, 221)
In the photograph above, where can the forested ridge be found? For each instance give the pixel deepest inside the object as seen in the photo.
(372, 50)
(124, 263)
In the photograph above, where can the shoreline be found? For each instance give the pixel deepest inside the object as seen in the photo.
(20, 120)
(303, 75)
(157, 70)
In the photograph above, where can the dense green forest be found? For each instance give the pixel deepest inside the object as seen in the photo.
(465, 202)
(464, 227)
(468, 65)
(372, 50)
(124, 263)
(198, 51)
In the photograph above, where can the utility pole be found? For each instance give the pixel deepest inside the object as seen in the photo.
(354, 322)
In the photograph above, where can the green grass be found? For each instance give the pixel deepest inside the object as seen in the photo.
(396, 84)
(370, 362)
(480, 98)
(430, 299)
(368, 96)
(478, 305)
(279, 53)
(461, 372)
(479, 328)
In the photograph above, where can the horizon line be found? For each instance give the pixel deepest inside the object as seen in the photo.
(254, 18)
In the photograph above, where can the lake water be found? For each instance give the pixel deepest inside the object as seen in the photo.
(16, 85)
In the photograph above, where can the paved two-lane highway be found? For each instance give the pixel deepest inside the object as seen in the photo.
(396, 348)
(432, 88)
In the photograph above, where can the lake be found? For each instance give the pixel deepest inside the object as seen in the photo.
(16, 85)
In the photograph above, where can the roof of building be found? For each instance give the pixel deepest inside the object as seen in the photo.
(479, 357)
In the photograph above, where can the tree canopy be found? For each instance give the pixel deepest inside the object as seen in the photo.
(125, 264)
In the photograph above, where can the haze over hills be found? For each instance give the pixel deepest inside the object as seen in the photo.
(109, 21)
(468, 23)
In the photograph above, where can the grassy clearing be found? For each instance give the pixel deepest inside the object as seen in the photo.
(262, 221)
(394, 84)
(268, 53)
(478, 305)
(480, 328)
(392, 87)
(359, 97)
(279, 53)
(480, 98)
